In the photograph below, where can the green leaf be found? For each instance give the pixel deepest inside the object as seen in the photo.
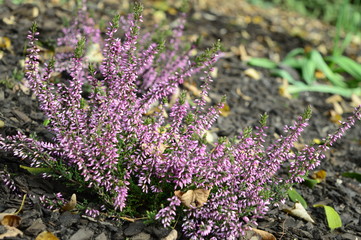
(36, 171)
(293, 53)
(283, 74)
(348, 65)
(345, 92)
(310, 182)
(297, 63)
(353, 175)
(262, 62)
(334, 78)
(296, 197)
(333, 218)
(46, 122)
(308, 71)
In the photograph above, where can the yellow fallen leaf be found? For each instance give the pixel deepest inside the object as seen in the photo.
(283, 89)
(319, 175)
(9, 20)
(152, 110)
(334, 99)
(2, 123)
(335, 117)
(355, 100)
(194, 198)
(5, 42)
(243, 96)
(338, 108)
(320, 75)
(252, 73)
(172, 11)
(71, 204)
(257, 19)
(225, 110)
(11, 220)
(196, 92)
(299, 211)
(46, 236)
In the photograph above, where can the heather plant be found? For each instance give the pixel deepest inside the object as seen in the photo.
(158, 164)
(81, 26)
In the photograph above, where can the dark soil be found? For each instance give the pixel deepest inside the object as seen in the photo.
(272, 35)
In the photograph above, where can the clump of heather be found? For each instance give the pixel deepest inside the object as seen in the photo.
(111, 144)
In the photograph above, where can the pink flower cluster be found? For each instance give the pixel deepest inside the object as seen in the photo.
(111, 143)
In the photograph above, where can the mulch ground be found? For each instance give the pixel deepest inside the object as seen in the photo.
(245, 31)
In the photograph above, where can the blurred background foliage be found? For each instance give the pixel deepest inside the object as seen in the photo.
(325, 10)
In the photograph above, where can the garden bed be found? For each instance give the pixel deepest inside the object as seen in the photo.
(254, 30)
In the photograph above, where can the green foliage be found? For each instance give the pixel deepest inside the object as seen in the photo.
(343, 75)
(346, 16)
(348, 23)
(310, 182)
(79, 50)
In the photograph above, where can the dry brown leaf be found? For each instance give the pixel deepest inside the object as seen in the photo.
(194, 198)
(11, 232)
(46, 236)
(11, 220)
(299, 211)
(71, 204)
(263, 234)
